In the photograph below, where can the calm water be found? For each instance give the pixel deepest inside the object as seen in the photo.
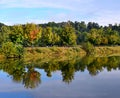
(86, 77)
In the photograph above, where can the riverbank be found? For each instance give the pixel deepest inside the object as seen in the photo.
(67, 52)
(64, 53)
(107, 51)
(53, 52)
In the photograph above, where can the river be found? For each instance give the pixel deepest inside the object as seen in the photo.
(86, 77)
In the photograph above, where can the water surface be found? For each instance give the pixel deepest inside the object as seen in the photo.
(87, 77)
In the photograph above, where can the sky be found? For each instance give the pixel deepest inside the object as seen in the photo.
(103, 12)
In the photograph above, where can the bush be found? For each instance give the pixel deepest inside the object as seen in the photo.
(88, 47)
(9, 49)
(19, 50)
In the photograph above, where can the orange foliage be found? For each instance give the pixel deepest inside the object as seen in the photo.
(33, 34)
(34, 76)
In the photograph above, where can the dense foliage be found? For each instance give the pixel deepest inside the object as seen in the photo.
(88, 47)
(12, 50)
(60, 34)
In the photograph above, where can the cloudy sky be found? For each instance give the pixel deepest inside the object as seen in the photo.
(41, 11)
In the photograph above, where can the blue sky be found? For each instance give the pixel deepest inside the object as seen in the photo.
(42, 11)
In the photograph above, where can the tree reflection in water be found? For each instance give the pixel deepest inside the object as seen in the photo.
(31, 78)
(17, 70)
(24, 72)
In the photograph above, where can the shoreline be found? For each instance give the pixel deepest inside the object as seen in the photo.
(67, 52)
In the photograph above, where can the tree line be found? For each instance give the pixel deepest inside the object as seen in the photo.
(26, 73)
(60, 34)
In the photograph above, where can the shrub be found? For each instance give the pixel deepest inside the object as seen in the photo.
(88, 47)
(19, 50)
(9, 49)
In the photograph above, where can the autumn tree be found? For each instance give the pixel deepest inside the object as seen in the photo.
(32, 33)
(31, 78)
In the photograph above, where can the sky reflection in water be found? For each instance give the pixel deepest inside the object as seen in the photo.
(105, 83)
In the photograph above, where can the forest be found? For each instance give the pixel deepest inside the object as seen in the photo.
(58, 34)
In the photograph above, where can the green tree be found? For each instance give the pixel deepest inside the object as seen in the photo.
(93, 35)
(47, 36)
(55, 39)
(16, 34)
(68, 35)
(80, 26)
(4, 34)
(92, 25)
(113, 38)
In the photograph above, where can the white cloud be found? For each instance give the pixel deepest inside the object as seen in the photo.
(36, 21)
(106, 17)
(67, 4)
(75, 10)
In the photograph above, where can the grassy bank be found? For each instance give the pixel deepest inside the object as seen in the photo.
(53, 52)
(107, 51)
(63, 53)
(66, 52)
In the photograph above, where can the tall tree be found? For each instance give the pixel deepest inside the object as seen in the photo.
(32, 33)
(4, 34)
(16, 34)
(68, 35)
(47, 36)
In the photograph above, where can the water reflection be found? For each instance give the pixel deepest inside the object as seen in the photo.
(31, 78)
(21, 73)
(26, 73)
